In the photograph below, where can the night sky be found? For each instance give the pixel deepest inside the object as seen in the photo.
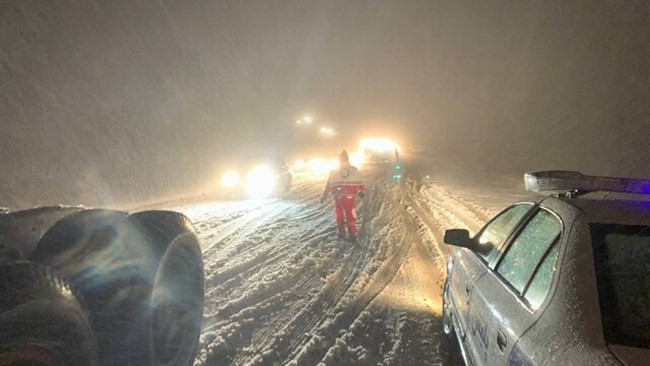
(109, 102)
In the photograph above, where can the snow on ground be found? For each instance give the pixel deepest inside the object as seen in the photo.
(282, 290)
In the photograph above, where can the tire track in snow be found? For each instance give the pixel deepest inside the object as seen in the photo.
(414, 215)
(266, 326)
(296, 332)
(325, 342)
(260, 260)
(316, 313)
(213, 238)
(469, 213)
(314, 289)
(264, 264)
(310, 239)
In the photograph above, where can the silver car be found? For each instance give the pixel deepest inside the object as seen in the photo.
(555, 280)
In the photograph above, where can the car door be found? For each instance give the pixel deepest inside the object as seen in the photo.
(467, 266)
(504, 301)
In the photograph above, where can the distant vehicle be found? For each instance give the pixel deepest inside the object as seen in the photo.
(379, 150)
(255, 176)
(555, 280)
(94, 287)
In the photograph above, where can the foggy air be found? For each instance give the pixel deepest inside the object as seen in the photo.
(291, 182)
(108, 102)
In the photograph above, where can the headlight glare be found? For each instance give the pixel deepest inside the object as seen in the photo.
(260, 182)
(230, 179)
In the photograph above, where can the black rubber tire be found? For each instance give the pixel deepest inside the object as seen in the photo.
(121, 264)
(71, 244)
(41, 320)
(176, 300)
(100, 253)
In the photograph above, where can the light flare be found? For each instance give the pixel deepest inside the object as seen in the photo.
(299, 165)
(230, 179)
(261, 182)
(356, 159)
(322, 165)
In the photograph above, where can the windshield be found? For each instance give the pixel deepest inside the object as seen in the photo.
(622, 258)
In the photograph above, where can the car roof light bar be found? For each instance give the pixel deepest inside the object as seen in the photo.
(558, 180)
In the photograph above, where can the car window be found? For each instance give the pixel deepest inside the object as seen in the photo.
(622, 259)
(527, 250)
(541, 283)
(495, 234)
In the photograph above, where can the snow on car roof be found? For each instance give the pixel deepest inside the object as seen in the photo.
(616, 211)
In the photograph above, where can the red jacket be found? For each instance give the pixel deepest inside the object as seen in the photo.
(344, 181)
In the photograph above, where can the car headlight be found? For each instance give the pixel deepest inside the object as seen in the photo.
(230, 179)
(260, 182)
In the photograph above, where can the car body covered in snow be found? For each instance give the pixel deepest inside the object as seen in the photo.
(85, 286)
(255, 176)
(560, 280)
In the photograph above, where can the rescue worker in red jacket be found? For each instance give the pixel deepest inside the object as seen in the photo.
(345, 184)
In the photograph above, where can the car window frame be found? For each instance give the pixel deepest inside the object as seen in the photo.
(558, 241)
(515, 231)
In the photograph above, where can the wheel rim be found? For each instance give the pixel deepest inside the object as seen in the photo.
(447, 325)
(176, 307)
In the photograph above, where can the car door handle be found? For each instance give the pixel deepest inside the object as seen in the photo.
(502, 341)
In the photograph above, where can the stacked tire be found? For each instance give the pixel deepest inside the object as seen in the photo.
(105, 288)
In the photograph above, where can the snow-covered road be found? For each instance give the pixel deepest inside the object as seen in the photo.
(281, 289)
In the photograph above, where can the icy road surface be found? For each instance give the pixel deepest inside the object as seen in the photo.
(282, 290)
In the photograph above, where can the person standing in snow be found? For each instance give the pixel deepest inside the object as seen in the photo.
(345, 184)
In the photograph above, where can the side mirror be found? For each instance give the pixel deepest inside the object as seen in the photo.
(459, 238)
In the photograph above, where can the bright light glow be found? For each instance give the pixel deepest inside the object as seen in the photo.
(299, 165)
(378, 144)
(230, 179)
(327, 131)
(356, 159)
(316, 165)
(305, 121)
(260, 182)
(322, 165)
